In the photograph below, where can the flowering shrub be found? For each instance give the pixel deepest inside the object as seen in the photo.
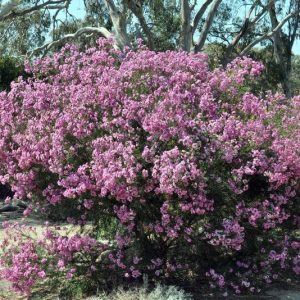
(29, 257)
(196, 177)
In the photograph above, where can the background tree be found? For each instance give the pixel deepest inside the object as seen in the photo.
(23, 33)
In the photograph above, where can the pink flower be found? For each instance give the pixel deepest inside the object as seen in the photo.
(61, 264)
(88, 204)
(295, 245)
(69, 275)
(42, 274)
(135, 273)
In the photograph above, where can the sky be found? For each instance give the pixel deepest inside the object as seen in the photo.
(296, 48)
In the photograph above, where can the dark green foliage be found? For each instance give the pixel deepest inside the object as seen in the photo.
(295, 77)
(10, 69)
(270, 79)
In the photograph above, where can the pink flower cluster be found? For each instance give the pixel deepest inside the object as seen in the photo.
(28, 257)
(189, 165)
(232, 236)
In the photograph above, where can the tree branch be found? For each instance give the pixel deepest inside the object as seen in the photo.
(200, 14)
(247, 26)
(54, 18)
(137, 10)
(85, 30)
(267, 35)
(6, 30)
(12, 12)
(207, 25)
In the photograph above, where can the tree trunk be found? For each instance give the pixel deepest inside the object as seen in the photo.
(282, 53)
(286, 78)
(186, 34)
(119, 23)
